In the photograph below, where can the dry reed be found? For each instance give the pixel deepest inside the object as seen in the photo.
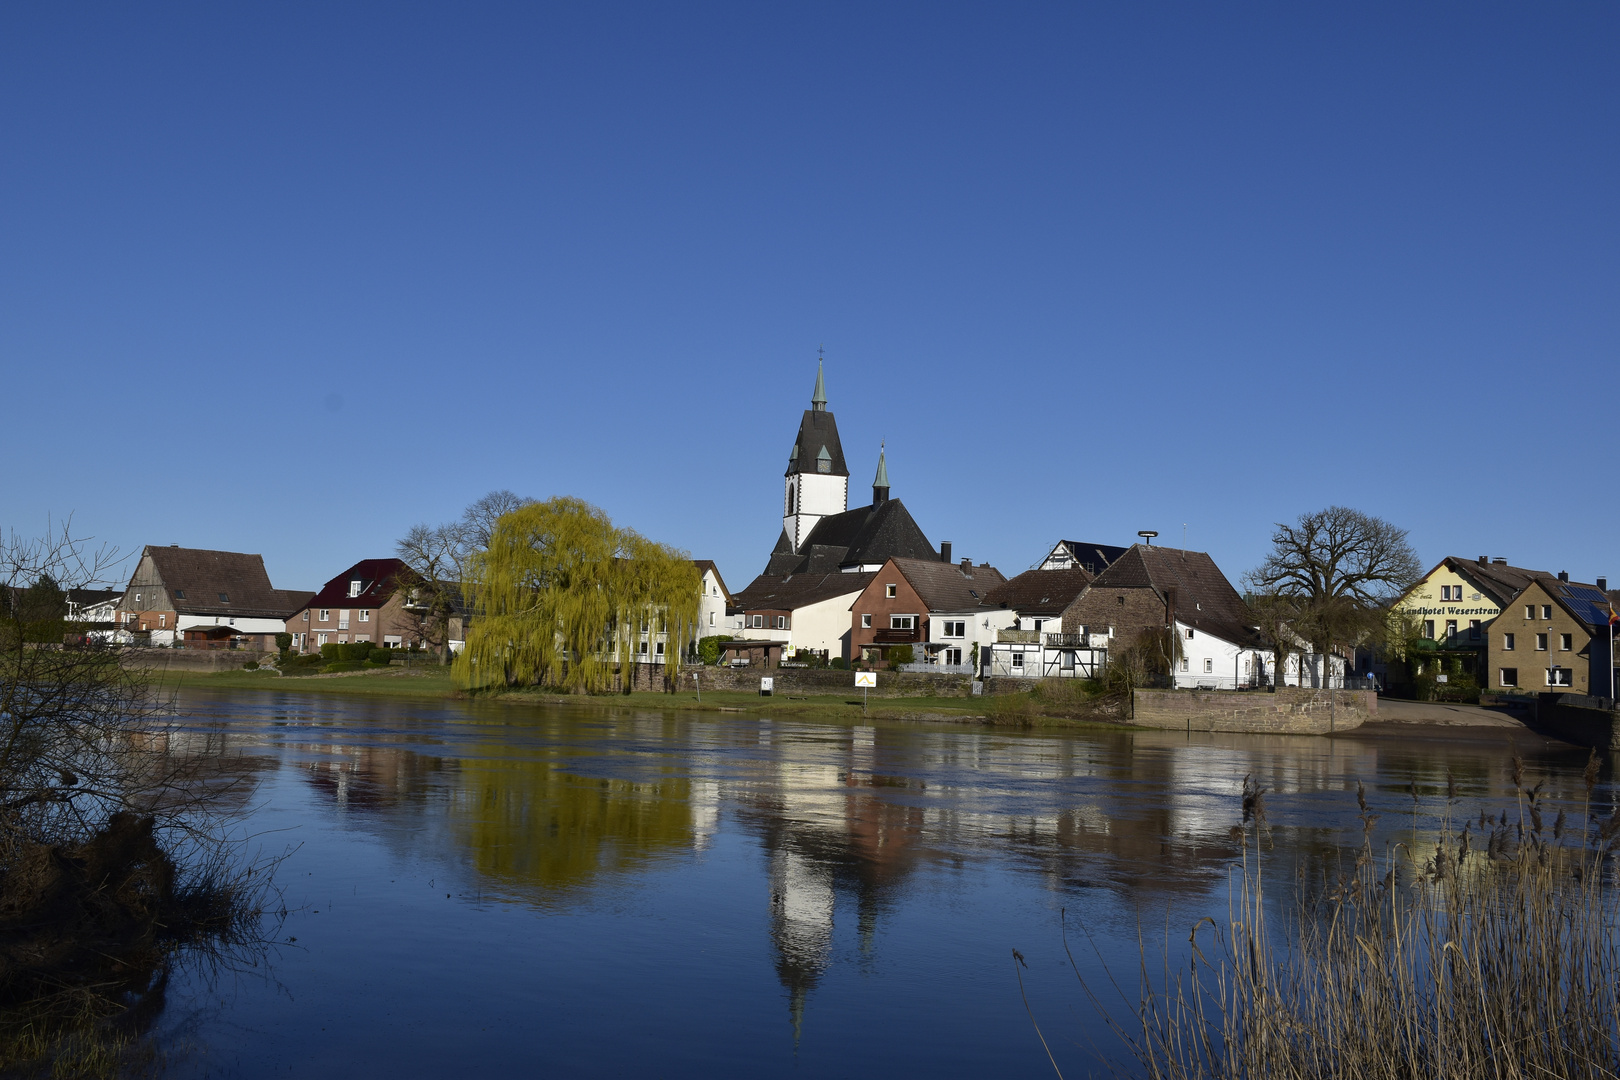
(1487, 950)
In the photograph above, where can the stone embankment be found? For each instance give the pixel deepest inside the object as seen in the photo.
(1292, 710)
(891, 684)
(1582, 720)
(160, 660)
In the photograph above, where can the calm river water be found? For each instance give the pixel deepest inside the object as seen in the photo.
(497, 889)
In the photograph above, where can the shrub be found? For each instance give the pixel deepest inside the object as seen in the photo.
(283, 642)
(839, 664)
(329, 652)
(251, 665)
(902, 654)
(342, 665)
(709, 648)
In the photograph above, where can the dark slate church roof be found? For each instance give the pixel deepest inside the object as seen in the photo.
(866, 534)
(818, 435)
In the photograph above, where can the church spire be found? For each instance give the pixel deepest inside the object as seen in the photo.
(880, 482)
(818, 400)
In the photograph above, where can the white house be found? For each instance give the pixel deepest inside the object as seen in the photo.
(1029, 641)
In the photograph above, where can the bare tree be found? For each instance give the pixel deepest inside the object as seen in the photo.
(1339, 569)
(439, 557)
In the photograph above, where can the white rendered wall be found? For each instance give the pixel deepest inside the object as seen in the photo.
(1226, 660)
(246, 626)
(816, 496)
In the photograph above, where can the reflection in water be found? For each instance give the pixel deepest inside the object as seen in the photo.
(547, 807)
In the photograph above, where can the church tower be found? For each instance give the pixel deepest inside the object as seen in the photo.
(816, 483)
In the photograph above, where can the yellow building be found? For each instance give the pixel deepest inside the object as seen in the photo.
(1455, 603)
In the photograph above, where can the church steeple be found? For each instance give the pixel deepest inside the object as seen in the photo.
(816, 483)
(880, 482)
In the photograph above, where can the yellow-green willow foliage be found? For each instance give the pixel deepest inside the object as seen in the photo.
(560, 597)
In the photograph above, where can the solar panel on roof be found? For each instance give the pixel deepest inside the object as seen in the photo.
(1581, 592)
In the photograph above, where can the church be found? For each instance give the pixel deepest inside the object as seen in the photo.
(827, 552)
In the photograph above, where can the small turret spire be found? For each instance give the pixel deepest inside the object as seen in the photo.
(818, 400)
(880, 482)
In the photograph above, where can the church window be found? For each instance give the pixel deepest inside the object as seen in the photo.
(790, 501)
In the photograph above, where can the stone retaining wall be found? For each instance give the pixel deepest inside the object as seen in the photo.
(192, 659)
(891, 684)
(1291, 710)
(1582, 720)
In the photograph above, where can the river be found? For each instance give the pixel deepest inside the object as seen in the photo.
(505, 889)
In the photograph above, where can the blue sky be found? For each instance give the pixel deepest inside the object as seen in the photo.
(289, 279)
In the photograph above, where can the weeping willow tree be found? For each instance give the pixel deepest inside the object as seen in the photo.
(561, 597)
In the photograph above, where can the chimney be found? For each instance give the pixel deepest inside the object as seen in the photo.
(967, 567)
(1483, 559)
(944, 551)
(1500, 560)
(1563, 575)
(1603, 584)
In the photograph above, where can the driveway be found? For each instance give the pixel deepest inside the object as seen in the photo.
(1397, 711)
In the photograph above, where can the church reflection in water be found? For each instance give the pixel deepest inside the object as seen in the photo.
(844, 818)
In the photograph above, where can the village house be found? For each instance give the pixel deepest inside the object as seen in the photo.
(1157, 589)
(210, 597)
(1455, 603)
(927, 605)
(1026, 617)
(1552, 636)
(370, 601)
(716, 603)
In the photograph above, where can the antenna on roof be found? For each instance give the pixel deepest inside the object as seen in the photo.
(1148, 535)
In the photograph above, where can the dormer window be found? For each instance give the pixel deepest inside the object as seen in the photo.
(179, 594)
(354, 588)
(224, 598)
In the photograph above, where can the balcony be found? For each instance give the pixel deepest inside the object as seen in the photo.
(896, 637)
(1068, 641)
(1018, 637)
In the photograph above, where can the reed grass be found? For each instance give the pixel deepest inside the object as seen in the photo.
(1486, 948)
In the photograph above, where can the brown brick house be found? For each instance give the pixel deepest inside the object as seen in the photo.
(904, 596)
(367, 602)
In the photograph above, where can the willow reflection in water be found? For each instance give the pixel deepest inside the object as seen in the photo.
(876, 873)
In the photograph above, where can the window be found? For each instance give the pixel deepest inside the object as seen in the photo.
(790, 502)
(756, 622)
(1451, 628)
(1507, 642)
(326, 614)
(365, 615)
(955, 628)
(641, 647)
(1445, 592)
(1189, 635)
(902, 622)
(1018, 661)
(1560, 676)
(866, 622)
(179, 594)
(1529, 611)
(1209, 666)
(354, 588)
(1473, 629)
(224, 598)
(1541, 643)
(362, 637)
(343, 639)
(1428, 629)
(163, 620)
(320, 639)
(953, 657)
(1546, 611)
(890, 590)
(1566, 642)
(781, 622)
(306, 614)
(660, 649)
(1038, 624)
(1509, 676)
(1186, 665)
(343, 618)
(137, 598)
(711, 618)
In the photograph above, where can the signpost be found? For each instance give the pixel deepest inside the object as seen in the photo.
(767, 686)
(865, 680)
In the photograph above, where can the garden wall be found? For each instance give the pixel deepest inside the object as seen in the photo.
(1291, 710)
